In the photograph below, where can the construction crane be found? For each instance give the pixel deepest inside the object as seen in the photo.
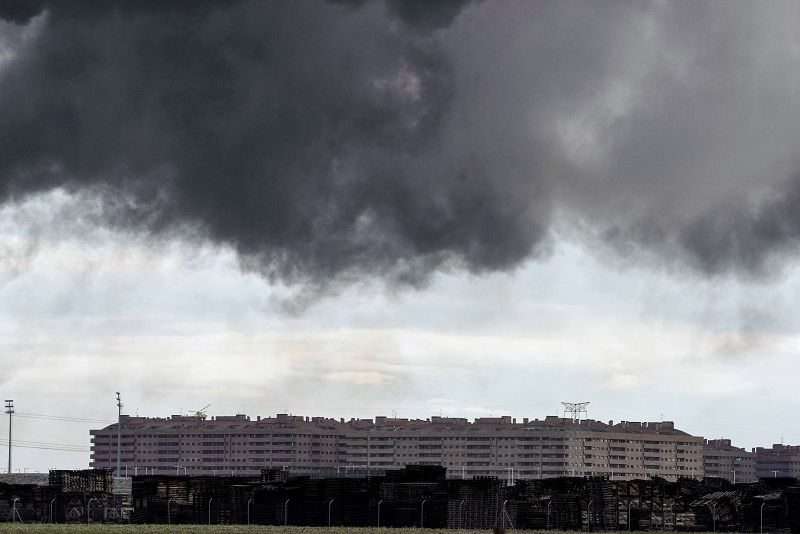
(201, 414)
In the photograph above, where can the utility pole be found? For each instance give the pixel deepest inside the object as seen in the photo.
(119, 434)
(10, 412)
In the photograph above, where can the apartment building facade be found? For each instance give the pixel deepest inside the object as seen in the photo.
(499, 446)
(778, 461)
(721, 459)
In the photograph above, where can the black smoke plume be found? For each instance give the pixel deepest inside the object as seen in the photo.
(332, 141)
(301, 134)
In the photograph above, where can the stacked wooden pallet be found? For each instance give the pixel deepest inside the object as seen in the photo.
(717, 510)
(599, 504)
(20, 502)
(86, 480)
(475, 503)
(792, 507)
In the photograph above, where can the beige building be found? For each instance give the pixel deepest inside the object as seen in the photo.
(779, 461)
(500, 446)
(723, 460)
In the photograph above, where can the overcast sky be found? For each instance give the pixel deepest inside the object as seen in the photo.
(353, 209)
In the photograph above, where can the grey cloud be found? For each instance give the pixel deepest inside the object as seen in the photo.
(20, 11)
(327, 142)
(663, 127)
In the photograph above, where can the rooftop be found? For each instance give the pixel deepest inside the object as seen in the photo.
(435, 423)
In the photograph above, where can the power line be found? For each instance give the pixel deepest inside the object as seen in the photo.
(61, 418)
(40, 444)
(63, 449)
(29, 442)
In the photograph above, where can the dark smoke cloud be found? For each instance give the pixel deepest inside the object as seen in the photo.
(330, 141)
(297, 133)
(20, 11)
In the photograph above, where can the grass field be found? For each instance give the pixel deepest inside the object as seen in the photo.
(208, 529)
(7, 528)
(228, 529)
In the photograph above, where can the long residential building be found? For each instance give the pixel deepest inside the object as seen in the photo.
(498, 446)
(778, 461)
(723, 460)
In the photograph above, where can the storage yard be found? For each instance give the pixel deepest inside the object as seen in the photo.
(414, 497)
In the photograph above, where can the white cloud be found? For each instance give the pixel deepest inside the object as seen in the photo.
(87, 316)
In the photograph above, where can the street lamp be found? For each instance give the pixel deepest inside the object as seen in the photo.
(329, 511)
(713, 508)
(761, 521)
(249, 502)
(286, 513)
(209, 509)
(674, 518)
(589, 516)
(422, 514)
(630, 503)
(88, 508)
(169, 518)
(379, 512)
(14, 512)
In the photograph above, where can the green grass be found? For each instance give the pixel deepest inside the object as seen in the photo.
(228, 529)
(7, 528)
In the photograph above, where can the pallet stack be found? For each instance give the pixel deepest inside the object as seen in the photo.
(83, 481)
(474, 503)
(556, 503)
(718, 510)
(598, 503)
(791, 496)
(28, 502)
(83, 495)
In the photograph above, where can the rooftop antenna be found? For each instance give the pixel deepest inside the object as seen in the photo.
(575, 410)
